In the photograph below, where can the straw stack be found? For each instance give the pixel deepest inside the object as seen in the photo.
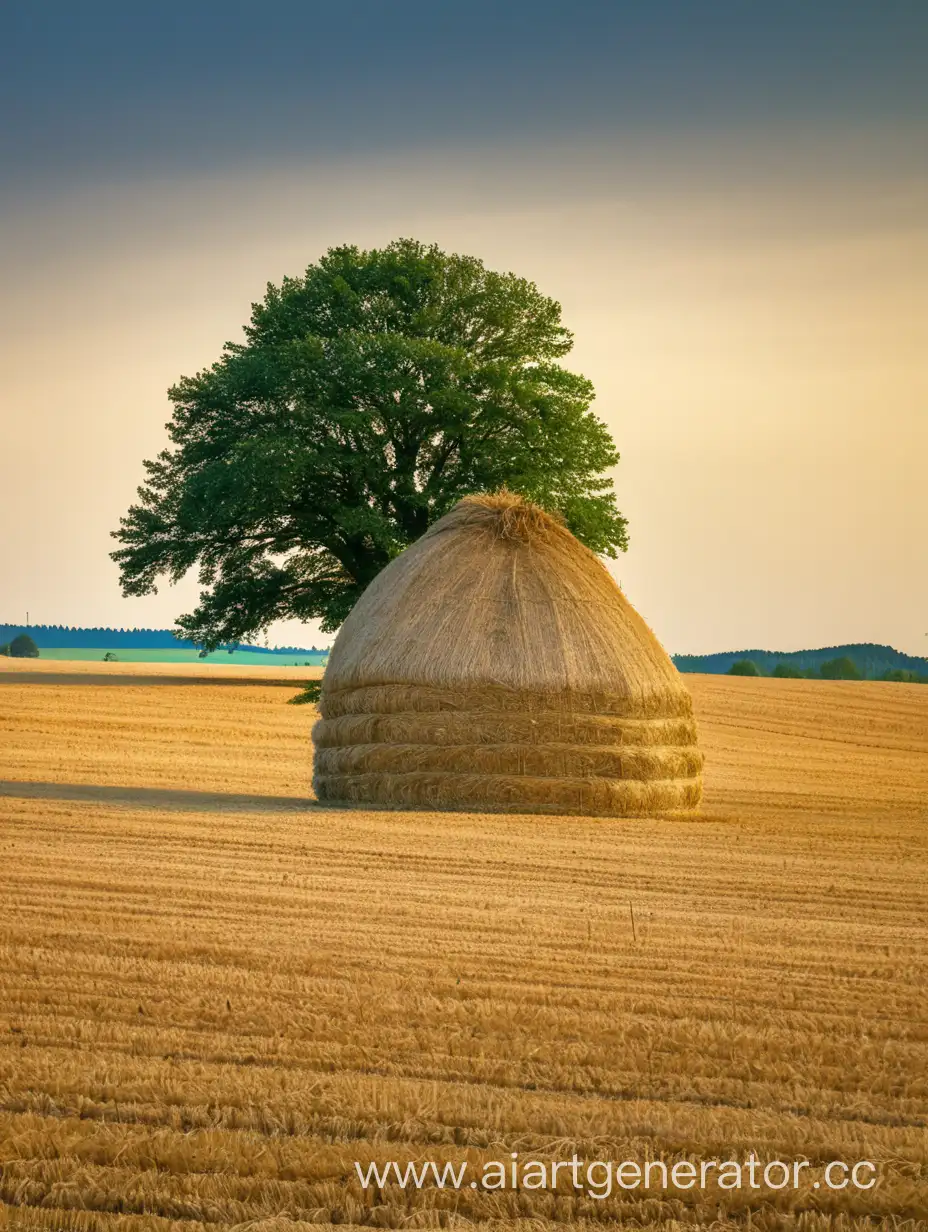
(496, 666)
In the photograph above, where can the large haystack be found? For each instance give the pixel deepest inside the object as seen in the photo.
(495, 665)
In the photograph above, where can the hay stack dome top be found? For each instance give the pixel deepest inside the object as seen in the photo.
(495, 636)
(499, 593)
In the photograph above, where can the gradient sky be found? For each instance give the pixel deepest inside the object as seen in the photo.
(729, 200)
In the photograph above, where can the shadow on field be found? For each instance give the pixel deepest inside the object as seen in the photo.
(126, 678)
(157, 797)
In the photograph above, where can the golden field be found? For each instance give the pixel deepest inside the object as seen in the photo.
(215, 996)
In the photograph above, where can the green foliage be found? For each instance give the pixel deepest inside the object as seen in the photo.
(109, 657)
(786, 671)
(369, 396)
(843, 668)
(23, 647)
(900, 675)
(5, 649)
(312, 691)
(744, 667)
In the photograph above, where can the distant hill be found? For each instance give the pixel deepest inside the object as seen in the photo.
(59, 637)
(872, 660)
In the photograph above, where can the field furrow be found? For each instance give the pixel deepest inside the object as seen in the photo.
(209, 1016)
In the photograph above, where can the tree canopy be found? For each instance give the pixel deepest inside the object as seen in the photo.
(744, 667)
(368, 397)
(23, 647)
(787, 671)
(842, 668)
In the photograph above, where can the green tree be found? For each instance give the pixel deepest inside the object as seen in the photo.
(786, 671)
(744, 667)
(23, 647)
(369, 396)
(843, 668)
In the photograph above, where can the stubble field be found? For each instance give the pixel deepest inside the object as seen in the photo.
(216, 997)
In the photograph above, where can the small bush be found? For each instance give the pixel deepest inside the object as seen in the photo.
(312, 691)
(109, 657)
(900, 675)
(744, 667)
(841, 669)
(23, 647)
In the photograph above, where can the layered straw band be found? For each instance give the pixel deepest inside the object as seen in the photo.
(393, 698)
(500, 793)
(534, 760)
(538, 727)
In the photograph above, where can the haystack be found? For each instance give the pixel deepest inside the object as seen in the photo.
(496, 666)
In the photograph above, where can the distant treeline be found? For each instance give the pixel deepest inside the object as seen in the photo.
(872, 661)
(58, 637)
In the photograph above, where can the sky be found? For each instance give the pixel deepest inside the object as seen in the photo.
(730, 201)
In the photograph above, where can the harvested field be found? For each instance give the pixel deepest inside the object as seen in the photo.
(216, 996)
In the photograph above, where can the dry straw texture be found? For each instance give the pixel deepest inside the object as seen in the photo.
(212, 1002)
(496, 665)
